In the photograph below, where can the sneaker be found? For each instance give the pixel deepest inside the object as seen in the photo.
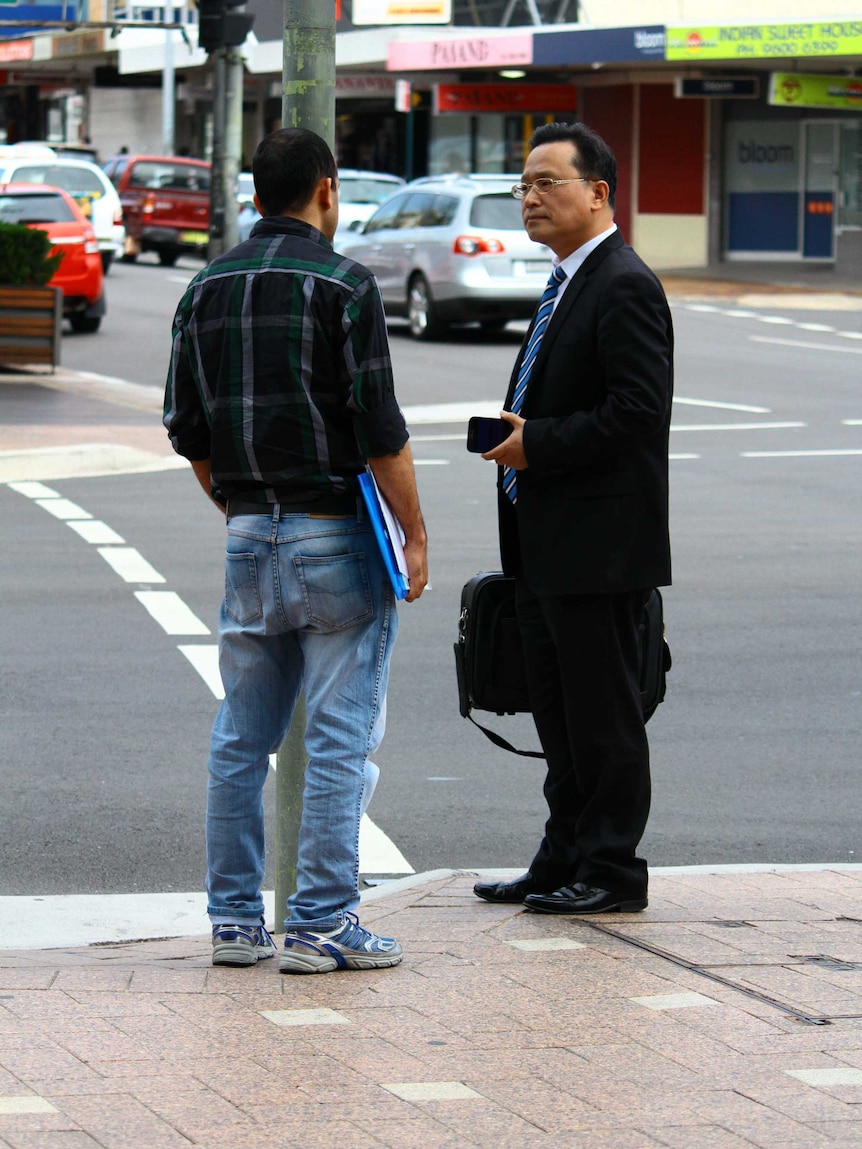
(348, 947)
(237, 944)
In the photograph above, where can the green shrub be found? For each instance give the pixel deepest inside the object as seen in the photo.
(24, 258)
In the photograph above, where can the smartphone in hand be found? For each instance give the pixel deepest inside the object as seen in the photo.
(486, 434)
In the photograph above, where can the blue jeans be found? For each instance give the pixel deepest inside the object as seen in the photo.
(308, 606)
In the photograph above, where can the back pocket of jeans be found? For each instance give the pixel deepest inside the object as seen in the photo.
(335, 590)
(241, 593)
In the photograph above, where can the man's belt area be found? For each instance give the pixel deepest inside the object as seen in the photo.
(323, 505)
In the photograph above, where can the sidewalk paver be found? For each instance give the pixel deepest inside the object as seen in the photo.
(728, 1014)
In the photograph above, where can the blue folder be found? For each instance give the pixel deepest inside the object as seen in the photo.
(374, 503)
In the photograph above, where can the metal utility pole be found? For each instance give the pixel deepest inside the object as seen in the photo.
(223, 27)
(308, 101)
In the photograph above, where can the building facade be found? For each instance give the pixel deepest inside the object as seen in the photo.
(735, 140)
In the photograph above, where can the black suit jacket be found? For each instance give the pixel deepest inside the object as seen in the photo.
(592, 509)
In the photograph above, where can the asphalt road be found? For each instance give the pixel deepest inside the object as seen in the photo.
(755, 753)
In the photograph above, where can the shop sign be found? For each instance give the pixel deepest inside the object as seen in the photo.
(12, 50)
(29, 16)
(790, 89)
(349, 86)
(762, 41)
(600, 45)
(718, 88)
(401, 12)
(79, 43)
(475, 52)
(512, 98)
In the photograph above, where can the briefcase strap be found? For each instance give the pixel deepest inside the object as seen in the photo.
(498, 740)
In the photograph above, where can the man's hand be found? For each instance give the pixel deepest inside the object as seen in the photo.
(510, 453)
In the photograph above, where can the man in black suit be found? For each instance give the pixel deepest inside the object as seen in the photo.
(583, 508)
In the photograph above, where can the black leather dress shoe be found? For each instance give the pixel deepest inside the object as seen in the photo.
(514, 891)
(582, 899)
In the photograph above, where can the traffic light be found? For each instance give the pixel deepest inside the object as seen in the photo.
(220, 26)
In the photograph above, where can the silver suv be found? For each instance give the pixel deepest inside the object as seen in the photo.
(452, 249)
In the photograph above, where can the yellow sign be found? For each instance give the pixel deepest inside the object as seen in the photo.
(790, 89)
(765, 41)
(402, 11)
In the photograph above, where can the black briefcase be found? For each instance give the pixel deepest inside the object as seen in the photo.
(489, 659)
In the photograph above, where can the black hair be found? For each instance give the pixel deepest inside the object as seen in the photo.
(593, 158)
(287, 166)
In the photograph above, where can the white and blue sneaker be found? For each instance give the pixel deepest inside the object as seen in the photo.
(347, 947)
(241, 944)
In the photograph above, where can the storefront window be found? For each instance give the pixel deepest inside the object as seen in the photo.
(451, 144)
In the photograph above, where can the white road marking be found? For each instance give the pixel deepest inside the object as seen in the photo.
(712, 403)
(815, 327)
(796, 454)
(205, 661)
(31, 490)
(63, 508)
(681, 456)
(170, 612)
(849, 334)
(806, 346)
(130, 564)
(779, 320)
(490, 409)
(852, 422)
(430, 463)
(95, 531)
(734, 426)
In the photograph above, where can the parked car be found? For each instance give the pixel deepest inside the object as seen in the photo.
(80, 275)
(452, 249)
(166, 204)
(86, 183)
(63, 148)
(359, 195)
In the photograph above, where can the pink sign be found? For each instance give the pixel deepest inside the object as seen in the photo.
(477, 52)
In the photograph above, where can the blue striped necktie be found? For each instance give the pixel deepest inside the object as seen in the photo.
(543, 318)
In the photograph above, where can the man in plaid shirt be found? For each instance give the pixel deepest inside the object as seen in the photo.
(280, 391)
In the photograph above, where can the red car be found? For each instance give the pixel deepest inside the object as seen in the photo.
(80, 275)
(166, 204)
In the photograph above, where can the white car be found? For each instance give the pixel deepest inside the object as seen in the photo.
(85, 182)
(359, 195)
(452, 249)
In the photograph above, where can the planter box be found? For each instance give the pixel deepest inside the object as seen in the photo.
(31, 320)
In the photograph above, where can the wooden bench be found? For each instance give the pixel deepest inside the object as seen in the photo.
(31, 320)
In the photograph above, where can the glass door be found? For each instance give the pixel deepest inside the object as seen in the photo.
(820, 192)
(850, 176)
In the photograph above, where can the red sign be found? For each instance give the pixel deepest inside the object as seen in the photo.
(11, 50)
(512, 98)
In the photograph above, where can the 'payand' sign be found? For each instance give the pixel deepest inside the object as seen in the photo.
(764, 41)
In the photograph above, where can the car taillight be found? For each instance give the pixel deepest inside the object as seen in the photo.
(477, 245)
(118, 217)
(91, 244)
(149, 205)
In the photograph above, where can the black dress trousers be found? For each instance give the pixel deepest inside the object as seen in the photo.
(582, 661)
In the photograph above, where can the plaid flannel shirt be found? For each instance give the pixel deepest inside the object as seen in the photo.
(280, 372)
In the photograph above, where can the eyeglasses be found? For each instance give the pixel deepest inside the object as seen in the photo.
(543, 186)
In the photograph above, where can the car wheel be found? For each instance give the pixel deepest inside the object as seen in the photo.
(128, 257)
(107, 260)
(493, 326)
(421, 311)
(85, 324)
(168, 256)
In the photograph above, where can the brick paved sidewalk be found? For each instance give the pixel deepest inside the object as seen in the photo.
(501, 1028)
